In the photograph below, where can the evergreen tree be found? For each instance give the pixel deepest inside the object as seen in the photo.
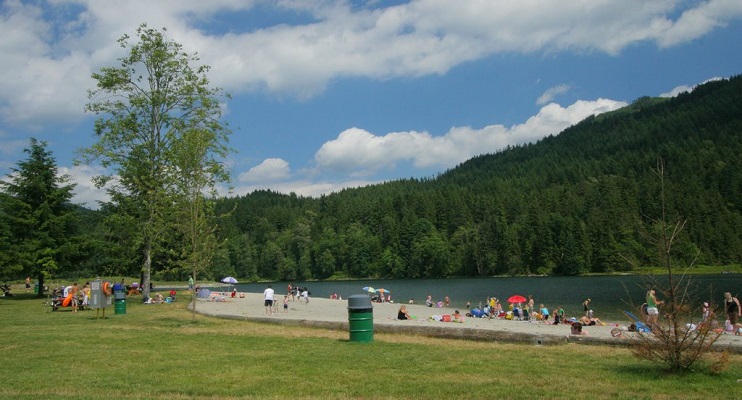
(37, 218)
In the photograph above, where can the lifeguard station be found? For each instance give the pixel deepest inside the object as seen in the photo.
(100, 296)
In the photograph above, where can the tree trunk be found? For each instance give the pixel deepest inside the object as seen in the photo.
(193, 295)
(41, 285)
(146, 270)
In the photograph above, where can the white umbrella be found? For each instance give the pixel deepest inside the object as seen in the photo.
(229, 280)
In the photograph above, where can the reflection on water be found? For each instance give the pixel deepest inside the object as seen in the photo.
(609, 294)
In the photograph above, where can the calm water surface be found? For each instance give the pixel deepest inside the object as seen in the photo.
(609, 294)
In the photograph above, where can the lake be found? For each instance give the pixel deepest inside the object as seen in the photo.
(609, 294)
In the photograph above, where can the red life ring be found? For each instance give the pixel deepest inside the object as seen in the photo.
(106, 288)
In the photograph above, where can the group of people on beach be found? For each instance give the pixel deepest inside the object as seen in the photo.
(528, 311)
(446, 302)
(520, 311)
(731, 308)
(296, 293)
(732, 311)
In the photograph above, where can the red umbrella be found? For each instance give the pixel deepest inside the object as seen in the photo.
(517, 299)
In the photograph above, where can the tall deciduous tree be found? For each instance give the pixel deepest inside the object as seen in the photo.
(146, 106)
(196, 157)
(38, 215)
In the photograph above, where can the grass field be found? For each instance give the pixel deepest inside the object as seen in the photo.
(162, 352)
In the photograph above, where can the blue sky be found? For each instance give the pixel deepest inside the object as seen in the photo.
(333, 94)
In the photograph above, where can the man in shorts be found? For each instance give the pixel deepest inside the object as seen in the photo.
(268, 297)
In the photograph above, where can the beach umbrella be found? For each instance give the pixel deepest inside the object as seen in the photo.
(229, 280)
(517, 299)
(383, 291)
(369, 289)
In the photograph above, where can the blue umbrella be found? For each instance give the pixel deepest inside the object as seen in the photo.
(369, 289)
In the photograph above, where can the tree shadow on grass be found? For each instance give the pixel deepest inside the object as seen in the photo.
(650, 371)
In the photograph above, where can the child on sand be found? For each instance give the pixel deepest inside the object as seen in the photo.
(403, 314)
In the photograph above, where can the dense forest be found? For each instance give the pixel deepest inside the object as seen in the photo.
(585, 200)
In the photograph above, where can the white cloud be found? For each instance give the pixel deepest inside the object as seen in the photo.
(359, 152)
(699, 20)
(306, 188)
(48, 60)
(685, 88)
(270, 170)
(85, 192)
(41, 82)
(551, 93)
(677, 90)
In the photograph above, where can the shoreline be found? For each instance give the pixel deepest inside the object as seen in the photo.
(333, 314)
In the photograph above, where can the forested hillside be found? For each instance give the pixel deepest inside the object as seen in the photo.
(580, 201)
(584, 200)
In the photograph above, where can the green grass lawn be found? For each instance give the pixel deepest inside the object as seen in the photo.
(162, 352)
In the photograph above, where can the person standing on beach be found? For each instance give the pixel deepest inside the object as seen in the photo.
(268, 299)
(652, 310)
(544, 313)
(305, 295)
(732, 308)
(586, 307)
(532, 306)
(558, 315)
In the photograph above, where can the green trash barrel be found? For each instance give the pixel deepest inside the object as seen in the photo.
(360, 318)
(119, 307)
(119, 304)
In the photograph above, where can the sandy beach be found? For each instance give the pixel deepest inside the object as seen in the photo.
(333, 314)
